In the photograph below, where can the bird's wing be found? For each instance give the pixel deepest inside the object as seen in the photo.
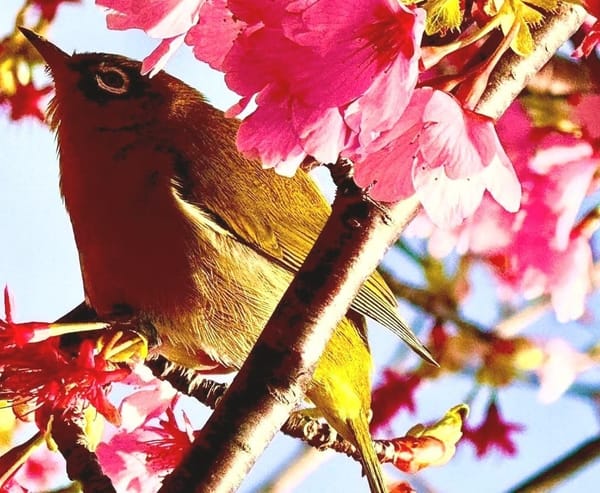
(280, 218)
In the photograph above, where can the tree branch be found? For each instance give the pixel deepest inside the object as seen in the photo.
(513, 72)
(349, 248)
(82, 464)
(562, 469)
(261, 398)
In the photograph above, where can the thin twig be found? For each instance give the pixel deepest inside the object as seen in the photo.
(82, 463)
(562, 469)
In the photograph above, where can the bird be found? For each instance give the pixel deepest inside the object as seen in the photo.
(175, 226)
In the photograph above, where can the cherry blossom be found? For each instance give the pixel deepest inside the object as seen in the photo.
(149, 451)
(352, 66)
(168, 20)
(447, 155)
(42, 471)
(562, 365)
(538, 250)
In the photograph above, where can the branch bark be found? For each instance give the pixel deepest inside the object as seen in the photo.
(351, 245)
(513, 72)
(261, 397)
(82, 463)
(562, 469)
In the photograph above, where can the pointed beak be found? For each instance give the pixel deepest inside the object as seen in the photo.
(52, 54)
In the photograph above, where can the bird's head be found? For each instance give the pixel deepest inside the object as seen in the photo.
(108, 91)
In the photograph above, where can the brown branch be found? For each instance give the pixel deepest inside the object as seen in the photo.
(562, 469)
(82, 464)
(513, 72)
(308, 429)
(352, 243)
(262, 396)
(562, 77)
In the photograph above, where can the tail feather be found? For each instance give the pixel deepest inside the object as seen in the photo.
(371, 464)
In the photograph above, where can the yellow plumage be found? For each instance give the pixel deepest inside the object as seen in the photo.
(174, 226)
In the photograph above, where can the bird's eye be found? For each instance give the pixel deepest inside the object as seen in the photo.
(112, 79)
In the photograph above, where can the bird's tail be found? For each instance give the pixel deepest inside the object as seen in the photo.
(364, 444)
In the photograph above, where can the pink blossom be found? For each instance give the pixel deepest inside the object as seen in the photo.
(42, 471)
(448, 156)
(137, 460)
(538, 250)
(561, 367)
(214, 34)
(151, 398)
(354, 66)
(125, 463)
(158, 18)
(168, 20)
(351, 59)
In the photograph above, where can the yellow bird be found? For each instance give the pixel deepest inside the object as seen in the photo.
(173, 225)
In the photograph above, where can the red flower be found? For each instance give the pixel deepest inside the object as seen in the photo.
(17, 334)
(40, 375)
(394, 393)
(26, 101)
(492, 433)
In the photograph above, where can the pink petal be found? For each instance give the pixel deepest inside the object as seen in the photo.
(266, 12)
(252, 64)
(445, 140)
(350, 45)
(502, 182)
(267, 134)
(158, 18)
(214, 34)
(570, 282)
(322, 132)
(446, 201)
(156, 60)
(386, 173)
(383, 104)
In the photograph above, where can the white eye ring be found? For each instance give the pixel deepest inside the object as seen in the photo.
(112, 79)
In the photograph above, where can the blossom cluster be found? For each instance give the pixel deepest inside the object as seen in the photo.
(545, 247)
(352, 93)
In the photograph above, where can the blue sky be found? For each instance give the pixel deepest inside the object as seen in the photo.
(39, 263)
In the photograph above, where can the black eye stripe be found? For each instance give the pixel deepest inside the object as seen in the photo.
(112, 79)
(108, 81)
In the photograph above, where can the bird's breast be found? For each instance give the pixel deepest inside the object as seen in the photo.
(135, 247)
